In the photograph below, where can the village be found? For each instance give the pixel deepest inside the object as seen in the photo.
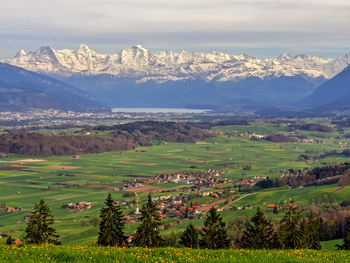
(206, 179)
(297, 136)
(198, 180)
(191, 203)
(201, 190)
(178, 207)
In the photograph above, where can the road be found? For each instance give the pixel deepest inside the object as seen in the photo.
(238, 199)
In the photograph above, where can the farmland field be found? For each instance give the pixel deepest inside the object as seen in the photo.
(65, 179)
(99, 254)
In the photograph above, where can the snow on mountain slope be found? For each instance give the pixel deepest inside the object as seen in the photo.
(338, 65)
(139, 63)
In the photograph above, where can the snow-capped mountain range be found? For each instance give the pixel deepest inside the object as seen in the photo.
(139, 63)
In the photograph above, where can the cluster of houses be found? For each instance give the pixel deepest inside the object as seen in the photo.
(172, 209)
(79, 206)
(245, 182)
(12, 209)
(187, 177)
(198, 180)
(343, 144)
(130, 219)
(136, 182)
(201, 178)
(252, 136)
(176, 206)
(121, 202)
(307, 140)
(216, 194)
(247, 207)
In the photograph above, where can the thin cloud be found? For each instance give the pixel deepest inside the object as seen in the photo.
(181, 24)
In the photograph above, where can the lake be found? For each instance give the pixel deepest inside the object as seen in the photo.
(159, 110)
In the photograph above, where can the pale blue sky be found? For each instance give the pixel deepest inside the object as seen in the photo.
(263, 28)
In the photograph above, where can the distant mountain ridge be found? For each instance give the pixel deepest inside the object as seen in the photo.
(22, 90)
(141, 64)
(135, 77)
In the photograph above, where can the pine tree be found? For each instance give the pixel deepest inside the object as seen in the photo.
(9, 241)
(190, 237)
(214, 233)
(147, 234)
(303, 232)
(311, 234)
(346, 241)
(258, 233)
(276, 242)
(111, 225)
(289, 234)
(40, 228)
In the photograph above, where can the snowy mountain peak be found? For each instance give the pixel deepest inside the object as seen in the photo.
(135, 55)
(84, 48)
(284, 55)
(21, 53)
(139, 46)
(301, 56)
(337, 65)
(45, 50)
(137, 62)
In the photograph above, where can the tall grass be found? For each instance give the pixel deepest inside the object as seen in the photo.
(131, 255)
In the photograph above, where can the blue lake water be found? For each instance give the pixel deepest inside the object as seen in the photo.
(158, 110)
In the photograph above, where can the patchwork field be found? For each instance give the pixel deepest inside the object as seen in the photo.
(66, 179)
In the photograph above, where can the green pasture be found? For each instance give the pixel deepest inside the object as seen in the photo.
(238, 157)
(332, 244)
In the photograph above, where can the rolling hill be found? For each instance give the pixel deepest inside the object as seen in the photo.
(22, 90)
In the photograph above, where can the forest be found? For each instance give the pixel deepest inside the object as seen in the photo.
(124, 137)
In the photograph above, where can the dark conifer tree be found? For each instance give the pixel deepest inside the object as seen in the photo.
(214, 234)
(147, 234)
(111, 225)
(311, 234)
(276, 242)
(190, 237)
(346, 241)
(289, 234)
(304, 235)
(258, 233)
(9, 240)
(40, 228)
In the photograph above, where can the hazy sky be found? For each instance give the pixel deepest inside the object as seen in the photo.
(258, 27)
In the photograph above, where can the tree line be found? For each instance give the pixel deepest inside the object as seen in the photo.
(330, 174)
(293, 232)
(124, 137)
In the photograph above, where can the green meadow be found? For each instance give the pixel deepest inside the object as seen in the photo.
(64, 179)
(46, 254)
